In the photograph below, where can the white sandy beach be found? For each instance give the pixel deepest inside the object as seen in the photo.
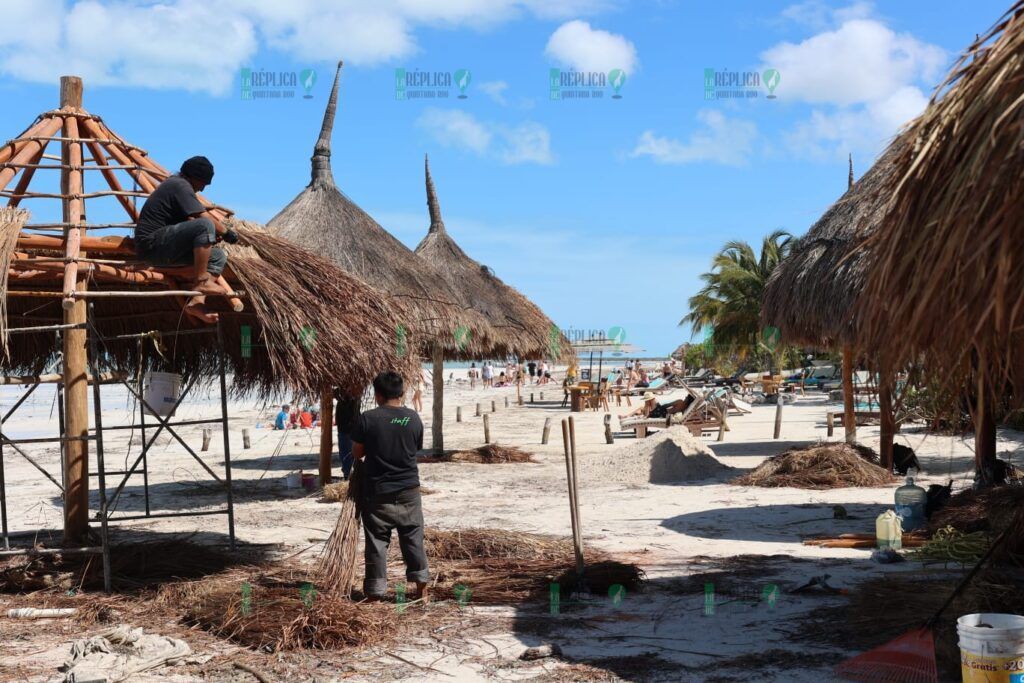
(670, 530)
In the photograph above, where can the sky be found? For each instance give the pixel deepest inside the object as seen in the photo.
(603, 210)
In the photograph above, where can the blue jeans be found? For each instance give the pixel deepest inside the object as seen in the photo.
(345, 452)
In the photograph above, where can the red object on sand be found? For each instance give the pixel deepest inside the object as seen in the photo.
(907, 659)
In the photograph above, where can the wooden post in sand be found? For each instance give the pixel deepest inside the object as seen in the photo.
(477, 410)
(245, 439)
(778, 414)
(608, 436)
(849, 416)
(494, 406)
(547, 430)
(458, 413)
(326, 434)
(506, 401)
(487, 428)
(531, 397)
(207, 435)
(520, 399)
(76, 386)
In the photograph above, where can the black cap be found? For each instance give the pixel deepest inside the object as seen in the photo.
(198, 168)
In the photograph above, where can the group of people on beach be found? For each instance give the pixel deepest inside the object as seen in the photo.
(511, 375)
(295, 418)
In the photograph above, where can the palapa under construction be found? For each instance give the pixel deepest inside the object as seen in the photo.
(322, 219)
(519, 327)
(811, 295)
(296, 323)
(949, 267)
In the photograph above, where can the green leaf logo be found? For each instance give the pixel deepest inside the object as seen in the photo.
(771, 79)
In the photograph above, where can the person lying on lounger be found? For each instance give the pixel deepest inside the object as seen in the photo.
(652, 409)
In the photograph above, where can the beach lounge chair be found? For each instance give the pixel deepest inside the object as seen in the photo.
(730, 401)
(641, 424)
(656, 386)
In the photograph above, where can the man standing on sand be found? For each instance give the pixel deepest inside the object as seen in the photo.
(386, 439)
(175, 229)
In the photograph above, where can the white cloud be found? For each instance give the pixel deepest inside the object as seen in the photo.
(720, 140)
(199, 45)
(524, 143)
(575, 44)
(864, 79)
(496, 91)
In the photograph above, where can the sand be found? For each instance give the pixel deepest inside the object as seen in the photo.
(674, 531)
(670, 456)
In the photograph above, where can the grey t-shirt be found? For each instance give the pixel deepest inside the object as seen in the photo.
(173, 201)
(390, 436)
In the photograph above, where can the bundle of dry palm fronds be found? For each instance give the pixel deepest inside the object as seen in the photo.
(336, 567)
(488, 455)
(819, 466)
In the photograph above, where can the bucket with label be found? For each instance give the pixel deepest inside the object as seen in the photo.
(160, 390)
(991, 648)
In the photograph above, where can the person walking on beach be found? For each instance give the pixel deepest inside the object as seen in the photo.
(488, 374)
(532, 367)
(386, 440)
(472, 375)
(417, 393)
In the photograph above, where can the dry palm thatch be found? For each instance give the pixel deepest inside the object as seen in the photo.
(490, 454)
(811, 295)
(11, 222)
(986, 510)
(306, 324)
(518, 325)
(323, 220)
(336, 567)
(950, 263)
(819, 466)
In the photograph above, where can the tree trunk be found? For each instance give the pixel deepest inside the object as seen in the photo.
(437, 425)
(849, 418)
(326, 434)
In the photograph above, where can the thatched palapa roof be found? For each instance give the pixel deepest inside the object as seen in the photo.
(518, 325)
(298, 323)
(811, 295)
(324, 220)
(950, 264)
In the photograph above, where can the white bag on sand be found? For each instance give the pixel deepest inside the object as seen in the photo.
(119, 653)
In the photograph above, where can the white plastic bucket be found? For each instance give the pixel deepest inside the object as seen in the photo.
(160, 390)
(293, 480)
(993, 653)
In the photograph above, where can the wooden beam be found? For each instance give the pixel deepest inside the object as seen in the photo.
(112, 244)
(437, 375)
(326, 434)
(26, 178)
(76, 384)
(11, 147)
(26, 153)
(849, 407)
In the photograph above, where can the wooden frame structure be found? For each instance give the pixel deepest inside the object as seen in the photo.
(58, 260)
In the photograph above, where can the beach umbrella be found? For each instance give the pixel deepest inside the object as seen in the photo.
(948, 271)
(517, 326)
(324, 220)
(812, 295)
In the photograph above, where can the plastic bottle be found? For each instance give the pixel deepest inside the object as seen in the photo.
(888, 531)
(910, 502)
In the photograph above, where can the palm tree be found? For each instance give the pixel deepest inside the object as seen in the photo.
(729, 303)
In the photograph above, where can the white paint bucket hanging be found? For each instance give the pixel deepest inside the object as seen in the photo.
(160, 390)
(991, 648)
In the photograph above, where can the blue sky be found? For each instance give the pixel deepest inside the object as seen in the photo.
(603, 211)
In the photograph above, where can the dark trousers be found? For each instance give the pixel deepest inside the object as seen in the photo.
(402, 511)
(345, 452)
(172, 245)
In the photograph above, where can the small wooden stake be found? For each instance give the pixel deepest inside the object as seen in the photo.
(245, 439)
(487, 429)
(547, 430)
(494, 406)
(520, 399)
(477, 410)
(531, 397)
(608, 436)
(542, 395)
(506, 401)
(778, 415)
(207, 435)
(830, 422)
(458, 413)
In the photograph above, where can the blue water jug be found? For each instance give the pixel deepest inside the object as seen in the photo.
(910, 501)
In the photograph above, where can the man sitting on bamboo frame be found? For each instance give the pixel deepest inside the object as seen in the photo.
(175, 229)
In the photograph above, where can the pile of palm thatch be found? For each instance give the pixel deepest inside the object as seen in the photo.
(883, 608)
(491, 454)
(991, 510)
(280, 610)
(819, 466)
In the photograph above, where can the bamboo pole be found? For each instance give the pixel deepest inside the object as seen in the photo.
(76, 399)
(849, 417)
(104, 245)
(437, 422)
(326, 434)
(26, 177)
(112, 181)
(26, 153)
(11, 148)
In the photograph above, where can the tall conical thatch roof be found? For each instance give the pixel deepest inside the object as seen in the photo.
(811, 295)
(324, 220)
(949, 272)
(518, 326)
(300, 322)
